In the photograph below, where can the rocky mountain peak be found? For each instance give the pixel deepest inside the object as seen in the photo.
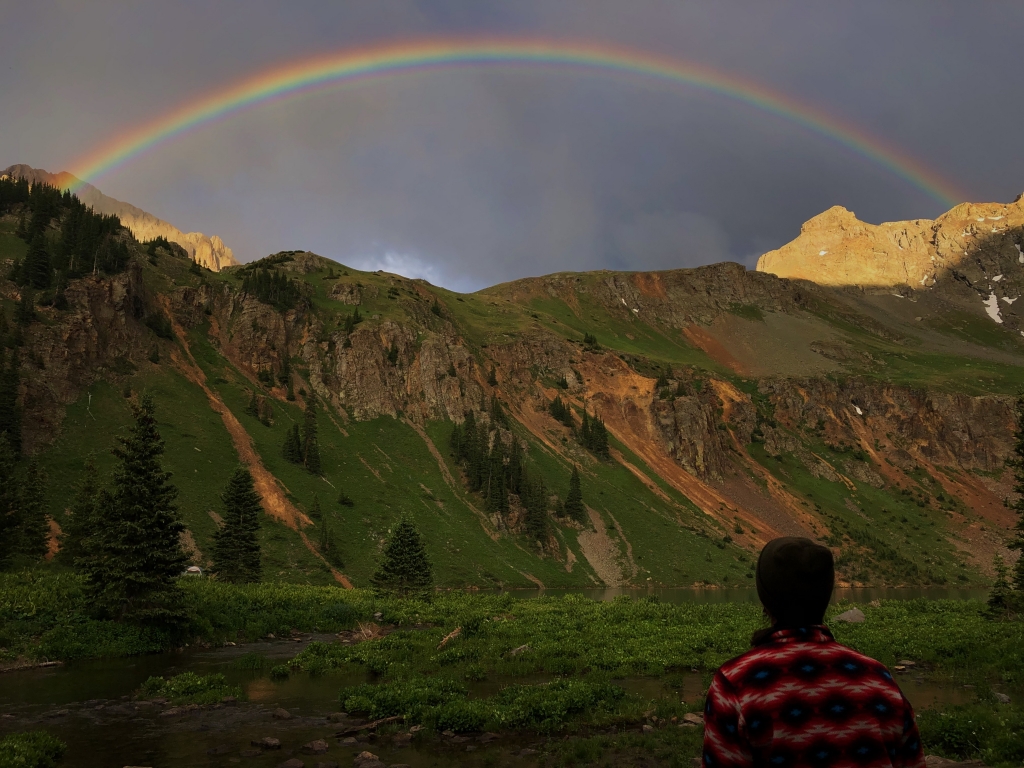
(211, 251)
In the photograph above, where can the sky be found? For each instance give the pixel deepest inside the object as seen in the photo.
(472, 176)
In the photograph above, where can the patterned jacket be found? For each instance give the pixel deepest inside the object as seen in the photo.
(800, 699)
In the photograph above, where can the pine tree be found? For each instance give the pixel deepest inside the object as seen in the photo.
(293, 445)
(1000, 599)
(10, 412)
(492, 377)
(315, 512)
(80, 523)
(345, 500)
(33, 531)
(534, 498)
(405, 567)
(137, 554)
(10, 493)
(253, 408)
(36, 270)
(310, 444)
(236, 546)
(325, 539)
(1016, 463)
(574, 508)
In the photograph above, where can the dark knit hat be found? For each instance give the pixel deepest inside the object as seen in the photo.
(795, 577)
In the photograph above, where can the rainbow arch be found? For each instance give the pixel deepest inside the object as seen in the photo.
(318, 72)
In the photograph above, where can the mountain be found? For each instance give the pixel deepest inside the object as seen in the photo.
(736, 406)
(210, 252)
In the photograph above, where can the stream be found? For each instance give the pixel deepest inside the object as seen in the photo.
(89, 705)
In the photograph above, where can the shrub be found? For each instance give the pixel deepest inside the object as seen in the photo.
(35, 749)
(190, 688)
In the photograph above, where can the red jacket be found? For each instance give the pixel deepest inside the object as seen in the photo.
(801, 699)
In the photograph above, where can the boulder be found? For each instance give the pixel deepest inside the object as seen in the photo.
(368, 760)
(1002, 698)
(292, 763)
(852, 616)
(282, 714)
(316, 747)
(267, 742)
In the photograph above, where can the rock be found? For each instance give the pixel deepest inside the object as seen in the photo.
(267, 742)
(487, 737)
(229, 701)
(292, 763)
(648, 728)
(852, 616)
(526, 752)
(693, 718)
(327, 764)
(402, 739)
(367, 760)
(337, 717)
(349, 741)
(171, 712)
(317, 747)
(282, 714)
(416, 729)
(934, 761)
(223, 749)
(1002, 698)
(906, 663)
(251, 752)
(57, 713)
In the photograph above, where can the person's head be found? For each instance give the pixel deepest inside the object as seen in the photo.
(795, 577)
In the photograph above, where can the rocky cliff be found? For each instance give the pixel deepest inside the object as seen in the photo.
(211, 251)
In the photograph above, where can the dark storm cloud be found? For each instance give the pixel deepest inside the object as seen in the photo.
(471, 177)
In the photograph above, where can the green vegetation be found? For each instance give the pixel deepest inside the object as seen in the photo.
(190, 688)
(35, 749)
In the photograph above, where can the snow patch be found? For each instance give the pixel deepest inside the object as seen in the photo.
(994, 218)
(822, 253)
(924, 279)
(997, 278)
(1010, 301)
(858, 410)
(623, 302)
(981, 219)
(636, 311)
(992, 308)
(897, 296)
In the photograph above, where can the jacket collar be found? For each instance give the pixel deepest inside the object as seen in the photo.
(816, 633)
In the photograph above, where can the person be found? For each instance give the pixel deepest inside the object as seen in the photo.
(797, 697)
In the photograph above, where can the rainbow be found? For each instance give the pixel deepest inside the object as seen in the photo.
(297, 78)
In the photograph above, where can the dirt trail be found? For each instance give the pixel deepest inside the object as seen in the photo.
(274, 501)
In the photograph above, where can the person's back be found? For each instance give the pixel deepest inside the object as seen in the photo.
(799, 698)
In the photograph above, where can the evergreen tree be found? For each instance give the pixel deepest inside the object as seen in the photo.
(315, 512)
(436, 307)
(594, 435)
(534, 498)
(132, 575)
(325, 539)
(31, 538)
(561, 412)
(310, 444)
(253, 408)
(236, 546)
(293, 445)
(1000, 599)
(10, 412)
(405, 567)
(10, 493)
(1016, 463)
(36, 270)
(492, 377)
(574, 508)
(344, 500)
(80, 523)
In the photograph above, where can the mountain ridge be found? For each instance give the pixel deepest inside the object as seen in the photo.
(210, 252)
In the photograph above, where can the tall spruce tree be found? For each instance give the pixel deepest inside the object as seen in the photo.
(404, 567)
(10, 412)
(293, 445)
(310, 443)
(236, 546)
(1000, 599)
(138, 557)
(574, 508)
(80, 523)
(535, 501)
(33, 532)
(10, 497)
(1016, 463)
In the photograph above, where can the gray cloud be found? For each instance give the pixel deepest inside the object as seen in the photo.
(470, 177)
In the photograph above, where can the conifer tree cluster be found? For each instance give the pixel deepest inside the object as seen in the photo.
(405, 567)
(573, 507)
(236, 547)
(272, 287)
(562, 413)
(10, 411)
(259, 407)
(352, 321)
(88, 242)
(304, 448)
(497, 471)
(594, 435)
